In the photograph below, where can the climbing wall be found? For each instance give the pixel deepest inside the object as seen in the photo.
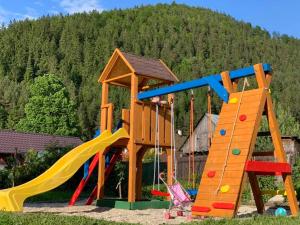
(232, 145)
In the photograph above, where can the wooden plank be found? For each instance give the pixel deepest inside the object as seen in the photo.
(168, 127)
(210, 190)
(234, 139)
(126, 119)
(139, 122)
(243, 105)
(224, 146)
(216, 213)
(161, 118)
(230, 166)
(218, 173)
(231, 119)
(147, 123)
(231, 158)
(153, 126)
(246, 126)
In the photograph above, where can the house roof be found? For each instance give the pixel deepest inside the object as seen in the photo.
(22, 141)
(154, 68)
(122, 63)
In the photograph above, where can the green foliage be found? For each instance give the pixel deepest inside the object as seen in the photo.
(3, 117)
(192, 41)
(288, 126)
(49, 108)
(296, 176)
(20, 171)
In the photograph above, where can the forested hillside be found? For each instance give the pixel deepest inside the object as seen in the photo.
(192, 41)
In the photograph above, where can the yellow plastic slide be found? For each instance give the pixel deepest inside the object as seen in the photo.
(12, 199)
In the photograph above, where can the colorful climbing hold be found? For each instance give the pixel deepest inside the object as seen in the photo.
(243, 117)
(225, 188)
(233, 100)
(211, 173)
(236, 151)
(223, 132)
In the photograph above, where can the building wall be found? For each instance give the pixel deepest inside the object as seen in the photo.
(292, 149)
(200, 137)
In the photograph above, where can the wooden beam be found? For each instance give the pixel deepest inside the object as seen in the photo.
(256, 192)
(260, 76)
(264, 134)
(265, 153)
(227, 81)
(117, 78)
(132, 147)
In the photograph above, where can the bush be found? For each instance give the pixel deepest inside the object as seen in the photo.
(296, 176)
(20, 171)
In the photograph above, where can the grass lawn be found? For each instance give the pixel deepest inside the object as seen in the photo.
(52, 219)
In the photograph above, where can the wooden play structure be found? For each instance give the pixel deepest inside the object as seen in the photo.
(229, 162)
(149, 123)
(136, 74)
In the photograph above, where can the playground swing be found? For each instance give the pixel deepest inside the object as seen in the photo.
(158, 192)
(156, 162)
(191, 172)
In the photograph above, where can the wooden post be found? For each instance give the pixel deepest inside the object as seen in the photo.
(263, 81)
(104, 101)
(132, 147)
(227, 83)
(139, 173)
(280, 155)
(103, 126)
(256, 192)
(101, 176)
(170, 166)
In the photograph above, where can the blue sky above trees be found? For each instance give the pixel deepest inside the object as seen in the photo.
(275, 16)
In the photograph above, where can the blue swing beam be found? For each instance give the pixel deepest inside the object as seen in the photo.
(214, 81)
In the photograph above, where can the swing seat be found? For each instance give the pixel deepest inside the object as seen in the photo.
(159, 193)
(192, 192)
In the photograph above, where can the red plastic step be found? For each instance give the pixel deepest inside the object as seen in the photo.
(268, 168)
(159, 193)
(200, 209)
(223, 205)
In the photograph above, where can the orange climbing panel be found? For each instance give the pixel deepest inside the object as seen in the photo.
(231, 147)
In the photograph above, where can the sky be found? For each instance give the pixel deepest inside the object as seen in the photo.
(281, 16)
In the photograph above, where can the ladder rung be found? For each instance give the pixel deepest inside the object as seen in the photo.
(265, 153)
(264, 134)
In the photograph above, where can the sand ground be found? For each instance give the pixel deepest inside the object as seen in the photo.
(149, 216)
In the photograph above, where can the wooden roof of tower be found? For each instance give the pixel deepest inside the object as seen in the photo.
(121, 65)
